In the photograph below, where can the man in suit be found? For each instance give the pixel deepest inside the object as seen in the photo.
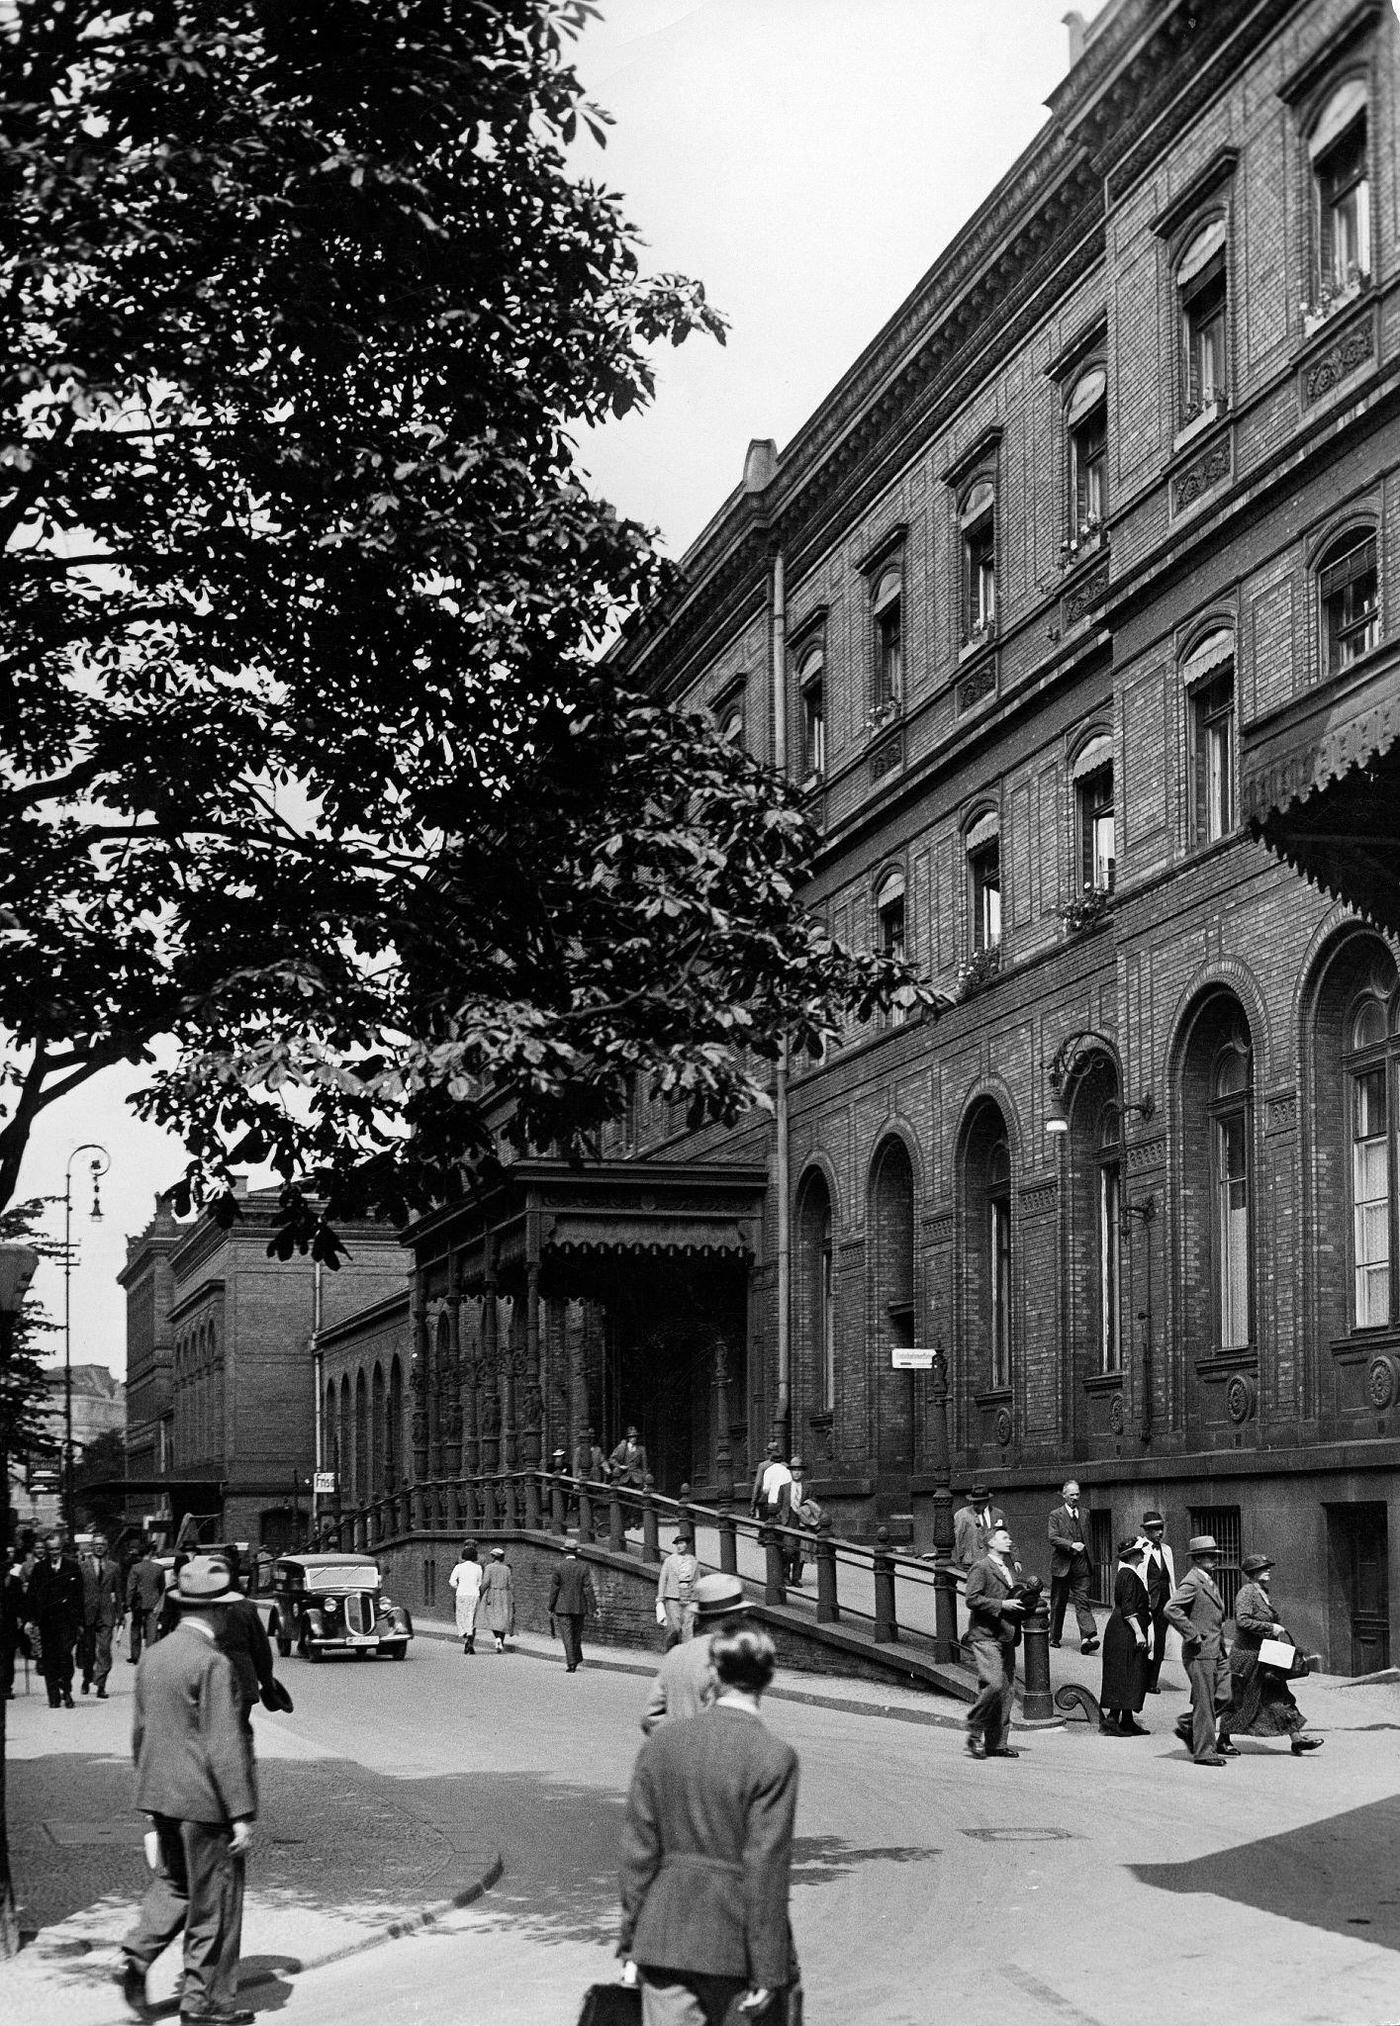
(685, 1683)
(972, 1526)
(628, 1462)
(571, 1598)
(1159, 1574)
(994, 1626)
(1069, 1571)
(194, 1779)
(145, 1593)
(55, 1605)
(1197, 1610)
(757, 1500)
(707, 1853)
(242, 1636)
(796, 1510)
(102, 1614)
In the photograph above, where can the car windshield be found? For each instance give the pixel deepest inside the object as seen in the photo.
(344, 1576)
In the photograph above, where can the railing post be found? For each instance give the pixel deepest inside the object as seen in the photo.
(585, 1512)
(532, 1501)
(1037, 1703)
(556, 1493)
(728, 1543)
(403, 1512)
(419, 1506)
(774, 1586)
(882, 1564)
(683, 1513)
(470, 1507)
(454, 1506)
(828, 1609)
(651, 1548)
(488, 1505)
(617, 1537)
(945, 1610)
(508, 1517)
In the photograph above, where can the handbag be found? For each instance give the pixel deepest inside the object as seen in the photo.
(612, 2005)
(1283, 1656)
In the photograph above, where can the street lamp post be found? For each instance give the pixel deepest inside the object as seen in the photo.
(17, 1264)
(101, 1163)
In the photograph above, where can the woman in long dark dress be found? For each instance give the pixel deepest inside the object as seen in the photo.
(1125, 1646)
(1262, 1704)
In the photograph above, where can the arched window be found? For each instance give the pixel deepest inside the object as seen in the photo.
(1086, 427)
(816, 1291)
(347, 1441)
(889, 914)
(377, 1432)
(1230, 1117)
(891, 1221)
(1110, 1230)
(978, 525)
(1373, 1047)
(1337, 149)
(887, 637)
(811, 684)
(1201, 294)
(988, 1242)
(1348, 591)
(1208, 677)
(361, 1437)
(393, 1463)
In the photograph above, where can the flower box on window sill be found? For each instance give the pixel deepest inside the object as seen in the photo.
(1088, 910)
(981, 968)
(811, 781)
(1196, 421)
(1086, 540)
(1331, 298)
(977, 637)
(881, 716)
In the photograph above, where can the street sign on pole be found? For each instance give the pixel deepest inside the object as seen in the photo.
(324, 1484)
(910, 1358)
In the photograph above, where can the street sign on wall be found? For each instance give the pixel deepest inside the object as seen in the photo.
(323, 1483)
(910, 1358)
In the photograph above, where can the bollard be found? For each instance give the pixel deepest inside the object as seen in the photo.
(882, 1566)
(774, 1586)
(651, 1550)
(617, 1535)
(728, 1543)
(1037, 1703)
(945, 1610)
(532, 1501)
(585, 1513)
(828, 1610)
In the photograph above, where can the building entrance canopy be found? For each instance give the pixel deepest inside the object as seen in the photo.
(1320, 784)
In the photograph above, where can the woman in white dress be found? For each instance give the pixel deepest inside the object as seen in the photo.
(466, 1584)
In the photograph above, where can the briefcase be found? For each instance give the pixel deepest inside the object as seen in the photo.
(612, 2005)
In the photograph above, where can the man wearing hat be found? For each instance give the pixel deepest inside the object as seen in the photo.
(685, 1683)
(1159, 1574)
(571, 1598)
(796, 1509)
(1197, 1610)
(195, 1781)
(675, 1588)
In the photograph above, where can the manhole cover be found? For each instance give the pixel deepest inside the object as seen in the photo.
(1021, 1835)
(87, 1835)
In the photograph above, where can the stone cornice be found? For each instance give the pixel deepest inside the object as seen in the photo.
(1310, 73)
(1219, 169)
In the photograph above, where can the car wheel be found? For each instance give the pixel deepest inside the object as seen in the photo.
(401, 1653)
(305, 1648)
(284, 1644)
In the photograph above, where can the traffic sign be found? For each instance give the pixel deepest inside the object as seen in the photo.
(911, 1358)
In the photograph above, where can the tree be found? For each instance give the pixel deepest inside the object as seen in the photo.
(309, 758)
(29, 1432)
(102, 1462)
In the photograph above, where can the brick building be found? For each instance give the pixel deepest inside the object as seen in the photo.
(221, 1355)
(1107, 506)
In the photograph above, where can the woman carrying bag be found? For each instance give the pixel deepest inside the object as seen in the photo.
(1262, 1704)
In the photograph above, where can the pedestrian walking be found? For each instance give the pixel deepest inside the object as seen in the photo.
(628, 1462)
(145, 1593)
(756, 1500)
(195, 1781)
(675, 1589)
(685, 1682)
(14, 1640)
(1126, 1640)
(797, 1511)
(1159, 1574)
(1197, 1610)
(1261, 1702)
(55, 1604)
(571, 1598)
(972, 1526)
(707, 1853)
(464, 1582)
(1069, 1571)
(103, 1611)
(496, 1604)
(995, 1616)
(590, 1464)
(242, 1638)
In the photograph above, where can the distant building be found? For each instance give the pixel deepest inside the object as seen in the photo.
(99, 1408)
(220, 1363)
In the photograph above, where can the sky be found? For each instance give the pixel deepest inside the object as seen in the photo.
(808, 160)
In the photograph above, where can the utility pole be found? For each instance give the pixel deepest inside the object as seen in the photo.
(101, 1163)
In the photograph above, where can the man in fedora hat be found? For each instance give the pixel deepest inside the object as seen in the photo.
(685, 1683)
(1197, 1610)
(571, 1598)
(195, 1781)
(1159, 1574)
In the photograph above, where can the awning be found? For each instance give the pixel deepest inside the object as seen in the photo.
(1320, 784)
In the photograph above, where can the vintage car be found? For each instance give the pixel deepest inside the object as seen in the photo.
(334, 1604)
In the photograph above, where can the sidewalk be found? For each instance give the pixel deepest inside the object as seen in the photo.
(341, 1865)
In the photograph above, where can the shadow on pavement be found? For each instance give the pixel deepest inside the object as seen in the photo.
(821, 1860)
(1338, 1874)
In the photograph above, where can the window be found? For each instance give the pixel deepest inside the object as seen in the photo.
(887, 608)
(1223, 1523)
(999, 1262)
(729, 716)
(1349, 595)
(1097, 842)
(1201, 288)
(984, 877)
(812, 686)
(889, 915)
(978, 522)
(1212, 703)
(1341, 192)
(1086, 420)
(826, 1315)
(1230, 1116)
(1370, 1072)
(1110, 1239)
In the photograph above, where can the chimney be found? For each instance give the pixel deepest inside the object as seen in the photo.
(1074, 22)
(760, 463)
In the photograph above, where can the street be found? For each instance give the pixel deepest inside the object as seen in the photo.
(1092, 1880)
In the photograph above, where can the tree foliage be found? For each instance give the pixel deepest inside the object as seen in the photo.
(28, 1429)
(307, 757)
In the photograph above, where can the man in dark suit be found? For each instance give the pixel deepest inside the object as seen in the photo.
(1197, 1610)
(55, 1605)
(194, 1779)
(102, 1614)
(243, 1637)
(994, 1616)
(972, 1526)
(571, 1598)
(145, 1593)
(1159, 1574)
(707, 1853)
(1069, 1571)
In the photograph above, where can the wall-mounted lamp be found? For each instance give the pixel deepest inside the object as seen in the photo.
(1060, 1076)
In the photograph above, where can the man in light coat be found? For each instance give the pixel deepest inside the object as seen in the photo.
(972, 1526)
(195, 1781)
(1197, 1610)
(571, 1598)
(994, 1617)
(1159, 1574)
(686, 1683)
(707, 1853)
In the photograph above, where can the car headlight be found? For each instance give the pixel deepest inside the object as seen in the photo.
(330, 1607)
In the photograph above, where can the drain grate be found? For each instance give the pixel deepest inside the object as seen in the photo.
(1021, 1835)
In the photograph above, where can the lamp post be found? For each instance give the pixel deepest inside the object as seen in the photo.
(17, 1265)
(101, 1163)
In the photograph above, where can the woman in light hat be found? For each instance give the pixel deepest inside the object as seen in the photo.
(496, 1603)
(1262, 1704)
